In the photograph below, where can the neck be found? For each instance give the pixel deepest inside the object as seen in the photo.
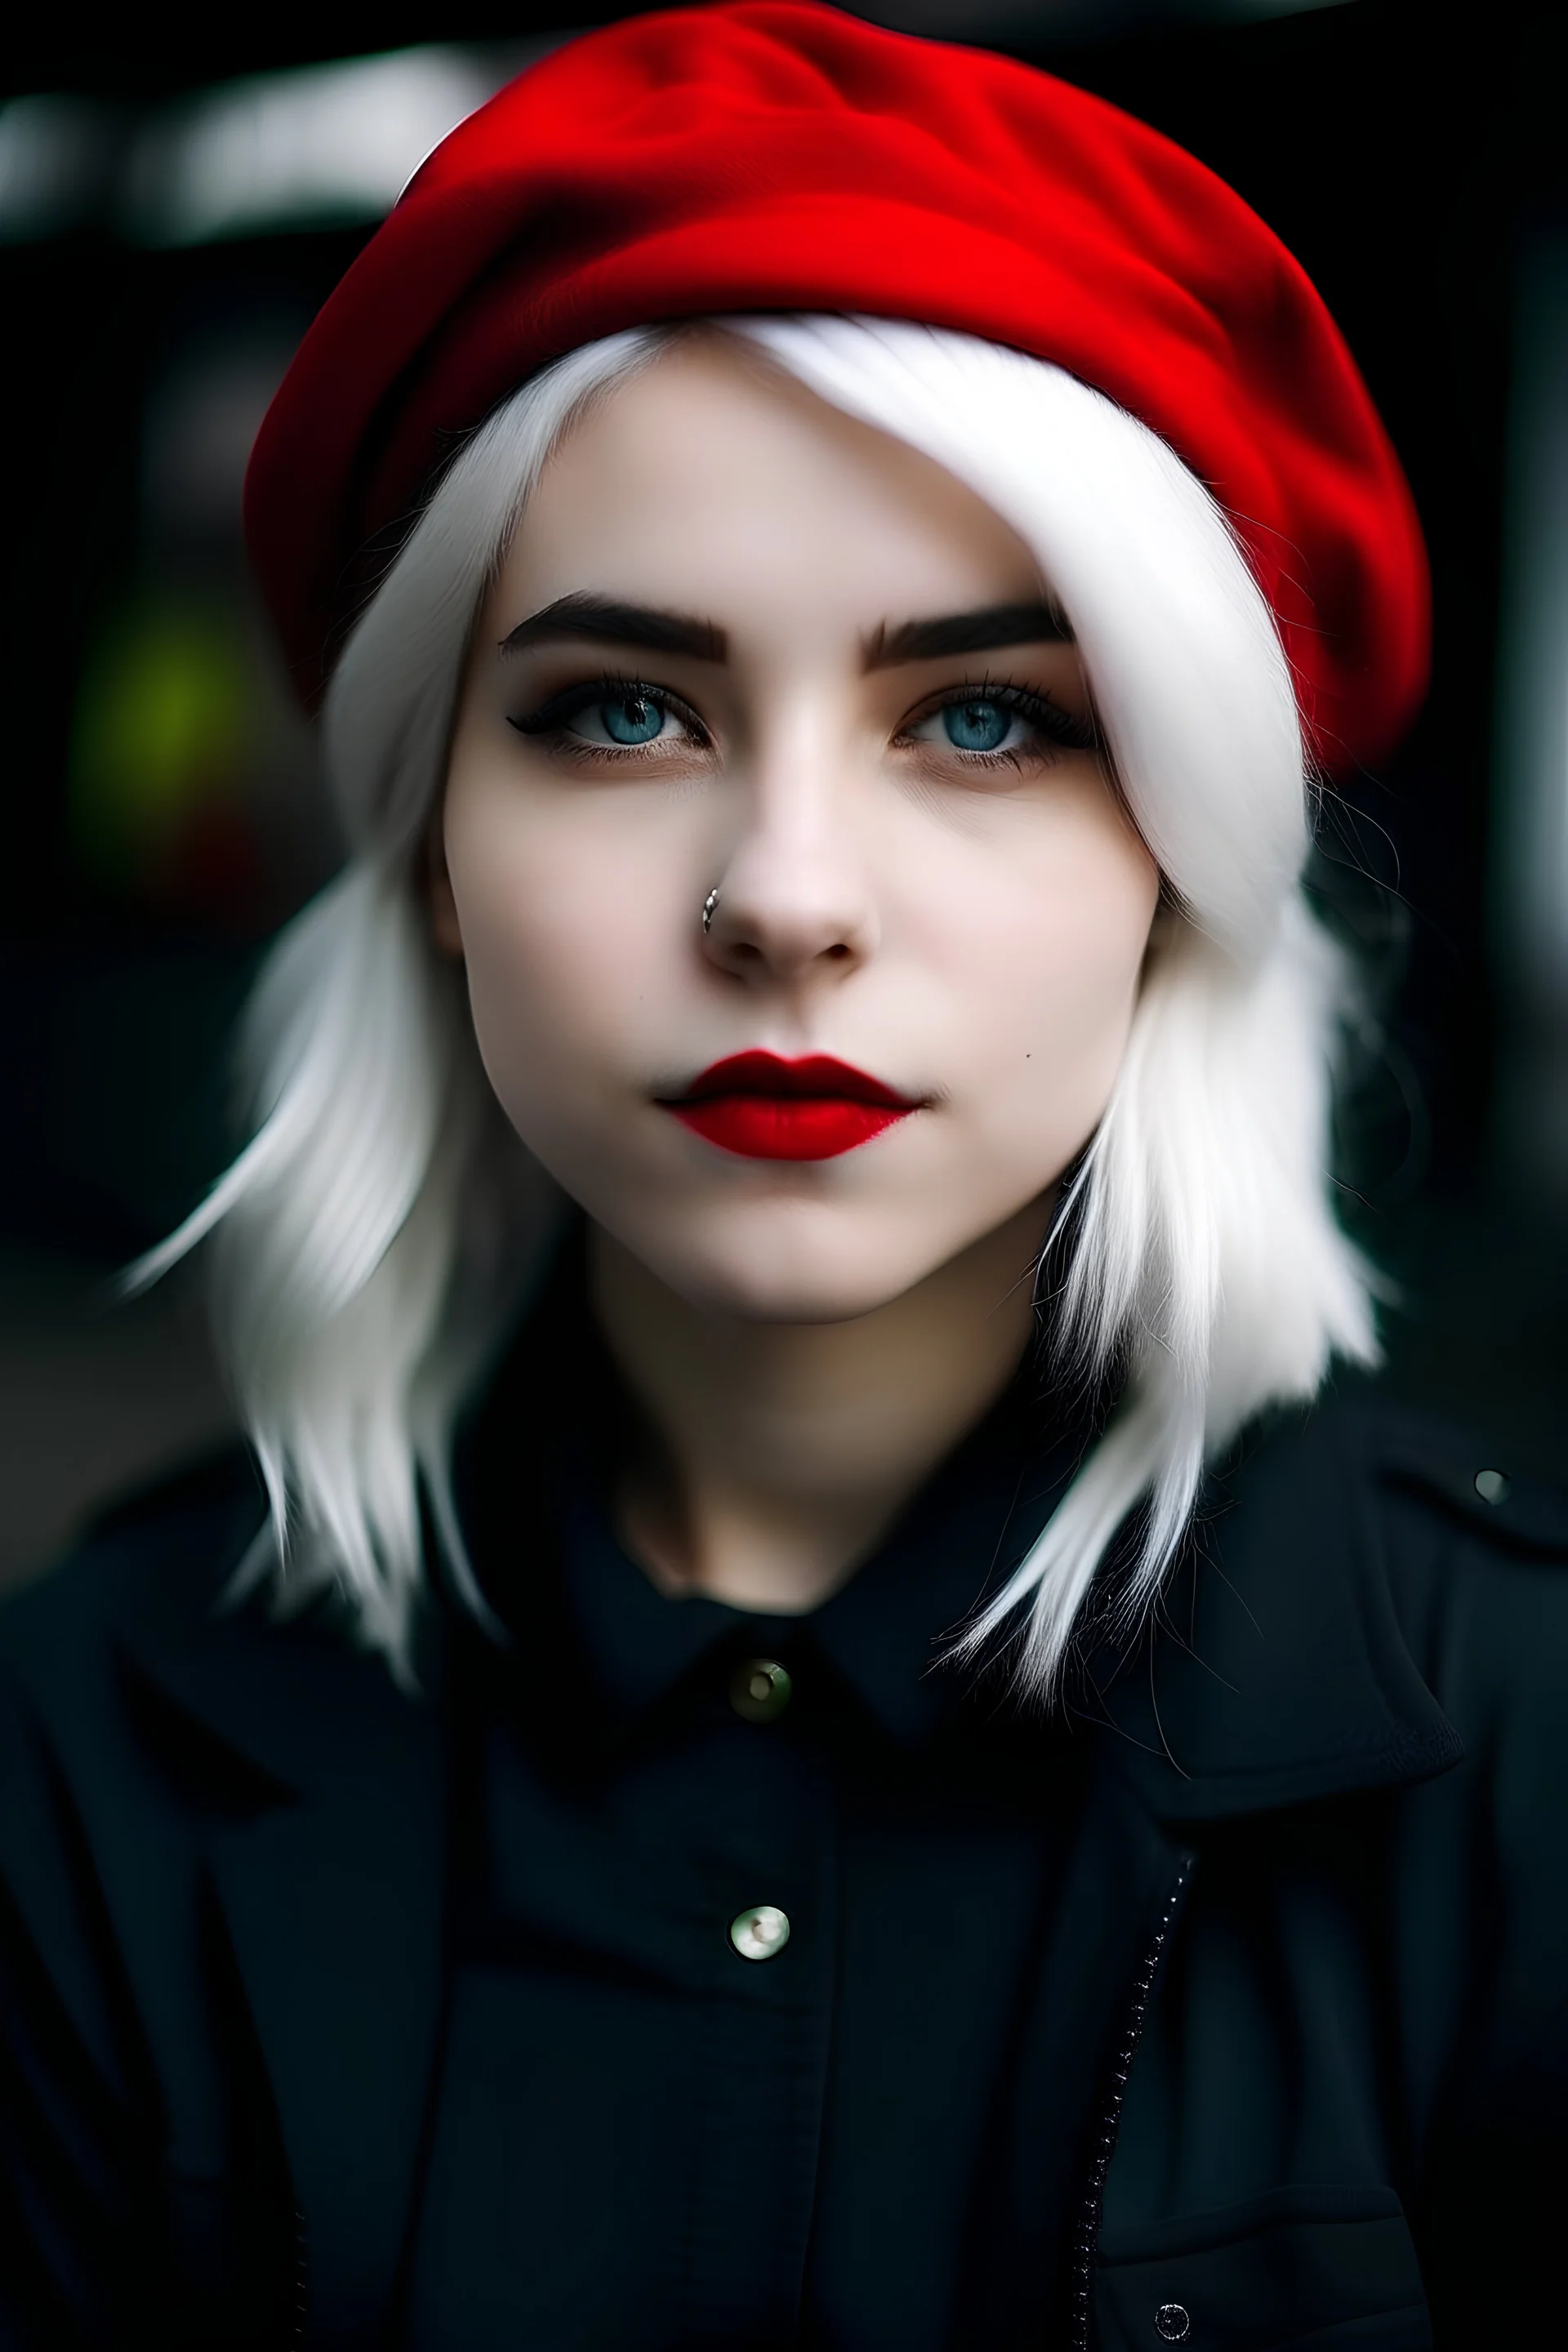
(778, 1454)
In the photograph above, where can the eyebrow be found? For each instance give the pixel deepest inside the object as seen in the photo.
(1035, 624)
(609, 622)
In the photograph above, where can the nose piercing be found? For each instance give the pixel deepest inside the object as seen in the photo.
(709, 905)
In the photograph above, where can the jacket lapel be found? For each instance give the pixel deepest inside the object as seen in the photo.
(1278, 1671)
(1107, 1891)
(1279, 1675)
(332, 1890)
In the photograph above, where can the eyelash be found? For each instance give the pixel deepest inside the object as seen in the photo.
(1062, 731)
(552, 716)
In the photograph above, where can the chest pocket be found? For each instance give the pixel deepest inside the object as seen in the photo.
(1311, 2269)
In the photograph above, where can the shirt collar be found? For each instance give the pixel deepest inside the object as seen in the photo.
(1276, 1672)
(882, 1633)
(1281, 1672)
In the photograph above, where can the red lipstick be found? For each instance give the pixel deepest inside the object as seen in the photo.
(765, 1108)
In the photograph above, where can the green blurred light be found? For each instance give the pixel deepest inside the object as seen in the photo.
(158, 738)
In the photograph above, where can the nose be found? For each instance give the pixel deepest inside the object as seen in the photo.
(793, 901)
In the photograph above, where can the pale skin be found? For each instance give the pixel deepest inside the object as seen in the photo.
(805, 1340)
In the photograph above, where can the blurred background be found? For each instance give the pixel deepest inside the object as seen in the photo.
(170, 216)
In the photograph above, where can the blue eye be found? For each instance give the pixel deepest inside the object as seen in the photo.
(633, 719)
(976, 725)
(1002, 725)
(609, 713)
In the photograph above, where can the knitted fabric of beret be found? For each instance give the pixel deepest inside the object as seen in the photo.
(778, 155)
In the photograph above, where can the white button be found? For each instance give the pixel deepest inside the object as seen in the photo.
(759, 1932)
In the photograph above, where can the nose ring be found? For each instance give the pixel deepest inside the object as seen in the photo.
(708, 905)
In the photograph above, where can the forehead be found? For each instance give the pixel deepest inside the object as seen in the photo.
(712, 472)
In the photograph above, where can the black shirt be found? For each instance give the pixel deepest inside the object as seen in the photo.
(276, 2069)
(665, 2114)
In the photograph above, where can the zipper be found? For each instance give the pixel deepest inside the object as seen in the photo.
(302, 2276)
(1103, 2147)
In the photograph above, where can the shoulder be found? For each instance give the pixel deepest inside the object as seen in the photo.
(1455, 1569)
(1422, 1492)
(1451, 1565)
(95, 1834)
(145, 1713)
(150, 1678)
(83, 1780)
(175, 1545)
(1352, 1613)
(1404, 1465)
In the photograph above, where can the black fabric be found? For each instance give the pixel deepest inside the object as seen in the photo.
(324, 2019)
(708, 2150)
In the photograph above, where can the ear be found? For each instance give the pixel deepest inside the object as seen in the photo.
(446, 930)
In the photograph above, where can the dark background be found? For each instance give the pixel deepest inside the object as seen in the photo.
(162, 817)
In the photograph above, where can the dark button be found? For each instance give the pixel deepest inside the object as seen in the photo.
(760, 1689)
(1492, 1486)
(1173, 2323)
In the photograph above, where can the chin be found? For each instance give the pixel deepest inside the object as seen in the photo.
(789, 1265)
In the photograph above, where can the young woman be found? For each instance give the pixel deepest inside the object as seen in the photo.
(800, 1742)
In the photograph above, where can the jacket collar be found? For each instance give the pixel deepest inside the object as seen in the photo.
(291, 1693)
(1277, 1674)
(1277, 1670)
(326, 1849)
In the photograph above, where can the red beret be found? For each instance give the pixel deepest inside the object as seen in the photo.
(776, 155)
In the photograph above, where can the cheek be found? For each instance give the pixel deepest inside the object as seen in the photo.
(560, 940)
(1057, 967)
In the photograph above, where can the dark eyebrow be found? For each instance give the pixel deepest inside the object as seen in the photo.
(1037, 623)
(610, 622)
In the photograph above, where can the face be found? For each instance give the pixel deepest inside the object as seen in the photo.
(745, 646)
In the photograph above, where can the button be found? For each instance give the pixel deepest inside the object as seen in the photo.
(759, 1932)
(1492, 1486)
(760, 1689)
(1173, 2323)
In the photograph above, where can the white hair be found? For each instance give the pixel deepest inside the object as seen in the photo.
(374, 1242)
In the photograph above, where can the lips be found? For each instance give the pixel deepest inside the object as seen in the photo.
(763, 1107)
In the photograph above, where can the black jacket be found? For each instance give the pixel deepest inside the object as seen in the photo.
(1316, 1925)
